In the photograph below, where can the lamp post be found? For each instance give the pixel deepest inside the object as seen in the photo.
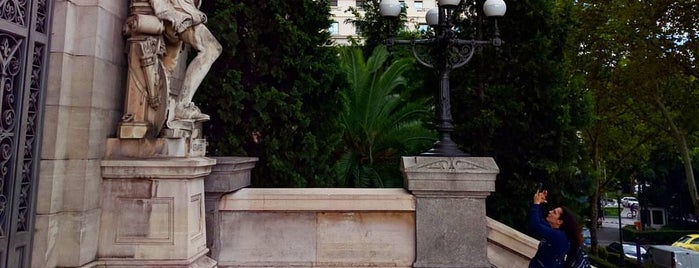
(621, 233)
(449, 52)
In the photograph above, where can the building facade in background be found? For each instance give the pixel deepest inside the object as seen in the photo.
(341, 30)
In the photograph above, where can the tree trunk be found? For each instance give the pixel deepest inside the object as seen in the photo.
(684, 152)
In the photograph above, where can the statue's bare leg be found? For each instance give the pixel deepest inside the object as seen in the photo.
(208, 49)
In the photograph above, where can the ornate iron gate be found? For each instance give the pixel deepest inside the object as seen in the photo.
(24, 39)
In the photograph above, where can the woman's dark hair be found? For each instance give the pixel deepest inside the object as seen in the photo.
(571, 228)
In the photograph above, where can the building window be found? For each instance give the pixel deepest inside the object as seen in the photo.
(360, 3)
(334, 28)
(333, 3)
(418, 4)
(423, 27)
(402, 4)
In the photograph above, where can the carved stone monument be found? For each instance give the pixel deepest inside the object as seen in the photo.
(160, 85)
(153, 204)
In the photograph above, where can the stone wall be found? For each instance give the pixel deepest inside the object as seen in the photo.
(317, 228)
(339, 228)
(83, 105)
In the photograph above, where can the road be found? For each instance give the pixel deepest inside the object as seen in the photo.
(609, 232)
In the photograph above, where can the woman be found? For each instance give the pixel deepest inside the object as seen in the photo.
(559, 234)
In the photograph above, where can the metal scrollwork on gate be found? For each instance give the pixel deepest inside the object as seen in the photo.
(24, 37)
(14, 11)
(31, 139)
(10, 70)
(41, 15)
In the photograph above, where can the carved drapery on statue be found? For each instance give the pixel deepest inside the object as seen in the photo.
(160, 87)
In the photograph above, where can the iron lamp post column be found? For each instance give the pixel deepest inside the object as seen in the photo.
(448, 53)
(621, 233)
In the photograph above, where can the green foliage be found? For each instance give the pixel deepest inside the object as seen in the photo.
(612, 211)
(600, 260)
(371, 27)
(655, 237)
(379, 124)
(522, 105)
(272, 89)
(638, 60)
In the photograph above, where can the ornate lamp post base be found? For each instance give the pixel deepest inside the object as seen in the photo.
(444, 147)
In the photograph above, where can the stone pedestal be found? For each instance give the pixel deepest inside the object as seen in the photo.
(228, 175)
(450, 220)
(153, 213)
(155, 148)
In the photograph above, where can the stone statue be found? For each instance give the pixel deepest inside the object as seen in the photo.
(184, 23)
(159, 32)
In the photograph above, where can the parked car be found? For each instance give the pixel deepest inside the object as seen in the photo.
(629, 201)
(690, 241)
(672, 257)
(629, 250)
(608, 203)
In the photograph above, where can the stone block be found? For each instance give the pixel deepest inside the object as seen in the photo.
(450, 174)
(110, 46)
(451, 232)
(229, 174)
(78, 238)
(366, 239)
(318, 199)
(317, 228)
(59, 72)
(44, 245)
(82, 75)
(76, 124)
(102, 124)
(153, 212)
(76, 133)
(107, 91)
(117, 8)
(50, 186)
(63, 26)
(268, 239)
(84, 40)
(81, 184)
(158, 147)
(50, 148)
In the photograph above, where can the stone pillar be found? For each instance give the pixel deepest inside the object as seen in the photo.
(228, 175)
(450, 220)
(153, 213)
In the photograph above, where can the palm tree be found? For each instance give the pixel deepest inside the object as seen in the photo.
(378, 124)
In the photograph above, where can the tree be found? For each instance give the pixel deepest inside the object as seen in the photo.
(379, 124)
(642, 57)
(616, 141)
(272, 88)
(372, 28)
(522, 105)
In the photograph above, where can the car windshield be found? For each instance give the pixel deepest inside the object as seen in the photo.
(631, 249)
(683, 239)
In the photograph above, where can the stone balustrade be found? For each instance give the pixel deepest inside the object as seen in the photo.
(339, 228)
(317, 228)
